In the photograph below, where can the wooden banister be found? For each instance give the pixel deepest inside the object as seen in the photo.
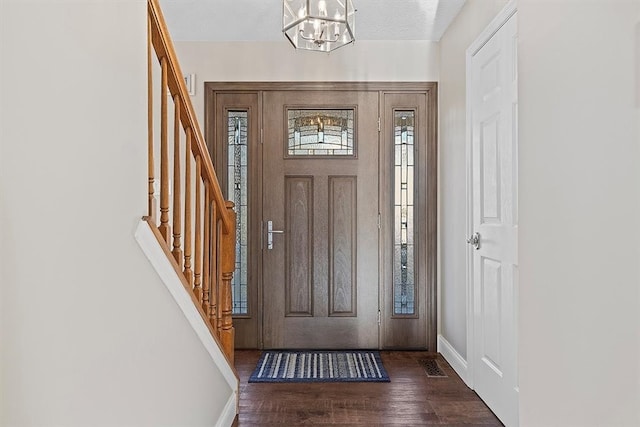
(164, 48)
(196, 226)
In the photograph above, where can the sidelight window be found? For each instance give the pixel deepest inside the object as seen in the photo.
(237, 192)
(404, 286)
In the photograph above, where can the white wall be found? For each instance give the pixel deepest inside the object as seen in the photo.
(90, 335)
(579, 206)
(474, 17)
(279, 61)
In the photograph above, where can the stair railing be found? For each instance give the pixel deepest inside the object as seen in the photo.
(193, 223)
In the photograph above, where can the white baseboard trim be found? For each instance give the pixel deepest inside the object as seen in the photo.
(151, 248)
(454, 359)
(229, 412)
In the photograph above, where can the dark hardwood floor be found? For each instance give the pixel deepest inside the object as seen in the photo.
(410, 399)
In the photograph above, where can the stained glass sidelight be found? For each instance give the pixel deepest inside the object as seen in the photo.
(320, 132)
(404, 288)
(237, 192)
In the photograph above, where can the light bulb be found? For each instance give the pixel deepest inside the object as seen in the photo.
(322, 8)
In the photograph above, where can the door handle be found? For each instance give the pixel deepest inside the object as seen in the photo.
(474, 240)
(270, 233)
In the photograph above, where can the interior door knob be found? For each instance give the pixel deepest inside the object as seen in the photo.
(474, 240)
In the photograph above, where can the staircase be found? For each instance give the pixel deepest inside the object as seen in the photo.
(193, 223)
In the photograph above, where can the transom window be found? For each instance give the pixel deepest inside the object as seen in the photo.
(320, 132)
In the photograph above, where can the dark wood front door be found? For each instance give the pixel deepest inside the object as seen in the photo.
(337, 243)
(321, 274)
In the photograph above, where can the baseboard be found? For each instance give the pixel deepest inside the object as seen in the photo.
(454, 359)
(228, 413)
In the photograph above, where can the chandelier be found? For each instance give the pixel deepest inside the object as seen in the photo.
(322, 25)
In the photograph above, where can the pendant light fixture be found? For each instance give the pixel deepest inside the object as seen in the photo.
(320, 25)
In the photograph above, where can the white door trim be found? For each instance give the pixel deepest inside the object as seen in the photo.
(503, 16)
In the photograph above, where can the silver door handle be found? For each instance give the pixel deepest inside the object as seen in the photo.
(474, 240)
(270, 233)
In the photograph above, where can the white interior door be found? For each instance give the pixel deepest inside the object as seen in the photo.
(494, 221)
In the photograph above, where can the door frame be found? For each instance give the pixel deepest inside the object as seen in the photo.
(430, 88)
(498, 22)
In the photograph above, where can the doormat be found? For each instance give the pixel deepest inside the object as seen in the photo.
(319, 366)
(431, 368)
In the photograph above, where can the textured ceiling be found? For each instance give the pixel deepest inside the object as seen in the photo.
(261, 20)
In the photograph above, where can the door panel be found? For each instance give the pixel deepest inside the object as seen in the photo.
(298, 241)
(321, 277)
(343, 280)
(494, 193)
(490, 290)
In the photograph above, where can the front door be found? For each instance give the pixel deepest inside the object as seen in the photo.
(320, 218)
(335, 192)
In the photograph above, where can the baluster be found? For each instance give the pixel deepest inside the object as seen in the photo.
(221, 250)
(206, 288)
(164, 156)
(177, 226)
(213, 268)
(150, 190)
(197, 276)
(188, 273)
(228, 266)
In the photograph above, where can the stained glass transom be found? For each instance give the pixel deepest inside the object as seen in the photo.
(404, 288)
(320, 132)
(237, 192)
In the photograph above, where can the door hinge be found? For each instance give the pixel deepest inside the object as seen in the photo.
(379, 222)
(378, 124)
(379, 317)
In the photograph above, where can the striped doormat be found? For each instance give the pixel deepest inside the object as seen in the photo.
(319, 366)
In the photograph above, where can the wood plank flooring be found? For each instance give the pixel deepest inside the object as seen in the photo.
(410, 399)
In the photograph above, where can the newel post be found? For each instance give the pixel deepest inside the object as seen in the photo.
(228, 266)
